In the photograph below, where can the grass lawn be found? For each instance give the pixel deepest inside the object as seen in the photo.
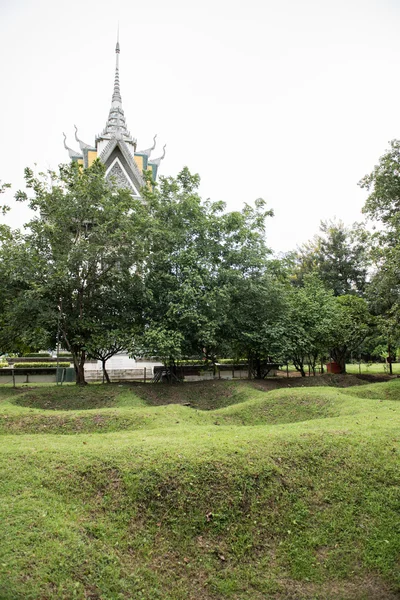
(207, 490)
(374, 368)
(364, 368)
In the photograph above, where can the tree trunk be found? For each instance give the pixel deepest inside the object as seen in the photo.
(105, 374)
(299, 365)
(258, 369)
(390, 358)
(250, 367)
(342, 364)
(79, 365)
(339, 356)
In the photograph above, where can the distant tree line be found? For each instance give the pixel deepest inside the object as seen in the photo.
(170, 275)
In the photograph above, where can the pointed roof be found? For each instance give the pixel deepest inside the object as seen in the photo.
(116, 125)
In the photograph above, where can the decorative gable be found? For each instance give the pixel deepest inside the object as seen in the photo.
(121, 178)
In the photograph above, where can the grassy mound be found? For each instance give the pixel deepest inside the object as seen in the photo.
(96, 409)
(68, 398)
(389, 390)
(287, 494)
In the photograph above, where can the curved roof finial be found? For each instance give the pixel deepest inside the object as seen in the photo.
(157, 161)
(72, 153)
(82, 145)
(149, 150)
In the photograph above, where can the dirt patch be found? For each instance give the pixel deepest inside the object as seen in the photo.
(205, 395)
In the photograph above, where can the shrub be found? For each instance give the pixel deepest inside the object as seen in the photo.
(39, 365)
(3, 364)
(37, 355)
(193, 362)
(232, 361)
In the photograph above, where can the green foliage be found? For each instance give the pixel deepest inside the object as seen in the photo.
(256, 323)
(38, 355)
(352, 324)
(5, 208)
(3, 364)
(166, 344)
(198, 255)
(311, 321)
(338, 256)
(39, 365)
(383, 185)
(382, 205)
(83, 245)
(105, 343)
(232, 361)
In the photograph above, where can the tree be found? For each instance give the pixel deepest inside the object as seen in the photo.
(84, 244)
(256, 328)
(337, 256)
(383, 206)
(103, 345)
(353, 322)
(383, 185)
(20, 329)
(309, 323)
(197, 256)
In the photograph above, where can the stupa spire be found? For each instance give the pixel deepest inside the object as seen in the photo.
(116, 127)
(116, 97)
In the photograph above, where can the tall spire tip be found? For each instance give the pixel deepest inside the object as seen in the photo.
(117, 49)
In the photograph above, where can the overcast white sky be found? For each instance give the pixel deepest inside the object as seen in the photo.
(292, 101)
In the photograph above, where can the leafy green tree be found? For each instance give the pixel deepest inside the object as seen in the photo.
(309, 323)
(105, 344)
(338, 256)
(84, 243)
(383, 202)
(256, 328)
(383, 207)
(353, 322)
(197, 255)
(20, 330)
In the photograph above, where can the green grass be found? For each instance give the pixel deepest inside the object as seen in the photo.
(363, 368)
(373, 368)
(290, 493)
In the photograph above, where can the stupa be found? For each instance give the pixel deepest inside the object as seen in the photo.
(116, 147)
